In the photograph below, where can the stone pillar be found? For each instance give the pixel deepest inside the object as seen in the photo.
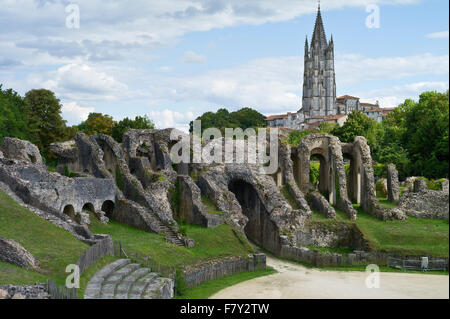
(444, 185)
(392, 184)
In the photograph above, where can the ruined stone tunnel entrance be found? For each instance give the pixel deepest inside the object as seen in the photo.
(354, 180)
(108, 208)
(259, 228)
(70, 211)
(89, 208)
(322, 175)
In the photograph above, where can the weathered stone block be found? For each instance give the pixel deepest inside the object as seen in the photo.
(15, 148)
(12, 252)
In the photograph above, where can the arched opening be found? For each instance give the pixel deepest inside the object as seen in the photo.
(89, 208)
(353, 174)
(108, 208)
(318, 173)
(70, 211)
(259, 228)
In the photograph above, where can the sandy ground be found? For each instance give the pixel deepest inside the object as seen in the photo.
(293, 281)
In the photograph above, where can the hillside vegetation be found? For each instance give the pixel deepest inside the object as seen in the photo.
(54, 247)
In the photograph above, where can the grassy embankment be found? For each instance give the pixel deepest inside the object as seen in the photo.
(414, 236)
(54, 247)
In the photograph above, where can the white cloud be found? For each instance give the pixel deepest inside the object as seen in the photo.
(143, 24)
(274, 85)
(354, 68)
(76, 81)
(191, 57)
(438, 35)
(74, 113)
(392, 97)
(168, 118)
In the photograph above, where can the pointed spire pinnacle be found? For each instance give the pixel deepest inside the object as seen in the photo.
(319, 31)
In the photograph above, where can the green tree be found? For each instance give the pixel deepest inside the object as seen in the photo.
(44, 115)
(243, 118)
(13, 115)
(97, 123)
(139, 122)
(357, 124)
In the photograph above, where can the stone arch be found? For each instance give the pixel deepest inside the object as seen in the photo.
(259, 227)
(324, 184)
(354, 178)
(88, 207)
(70, 211)
(108, 208)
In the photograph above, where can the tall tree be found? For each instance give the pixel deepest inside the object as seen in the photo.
(13, 115)
(44, 112)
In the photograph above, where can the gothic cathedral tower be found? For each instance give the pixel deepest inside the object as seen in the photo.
(319, 85)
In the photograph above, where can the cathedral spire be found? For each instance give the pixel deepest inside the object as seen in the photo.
(319, 31)
(306, 47)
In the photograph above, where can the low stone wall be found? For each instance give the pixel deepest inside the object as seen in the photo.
(357, 258)
(12, 252)
(37, 291)
(331, 235)
(320, 204)
(214, 269)
(425, 203)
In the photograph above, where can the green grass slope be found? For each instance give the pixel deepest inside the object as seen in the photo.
(54, 247)
(414, 236)
(209, 242)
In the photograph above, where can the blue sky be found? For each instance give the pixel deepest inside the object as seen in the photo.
(175, 59)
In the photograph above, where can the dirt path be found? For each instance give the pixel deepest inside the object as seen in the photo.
(294, 281)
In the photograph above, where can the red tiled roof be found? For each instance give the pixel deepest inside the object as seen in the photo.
(369, 104)
(335, 117)
(386, 109)
(343, 97)
(276, 117)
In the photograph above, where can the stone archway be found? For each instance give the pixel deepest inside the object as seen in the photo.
(108, 208)
(259, 227)
(70, 211)
(354, 178)
(89, 207)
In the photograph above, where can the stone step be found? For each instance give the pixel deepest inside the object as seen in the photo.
(124, 280)
(93, 289)
(111, 283)
(124, 287)
(138, 287)
(159, 288)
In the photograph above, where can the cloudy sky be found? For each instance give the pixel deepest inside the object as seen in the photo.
(175, 59)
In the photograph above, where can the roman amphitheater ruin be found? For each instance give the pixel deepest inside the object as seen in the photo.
(132, 183)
